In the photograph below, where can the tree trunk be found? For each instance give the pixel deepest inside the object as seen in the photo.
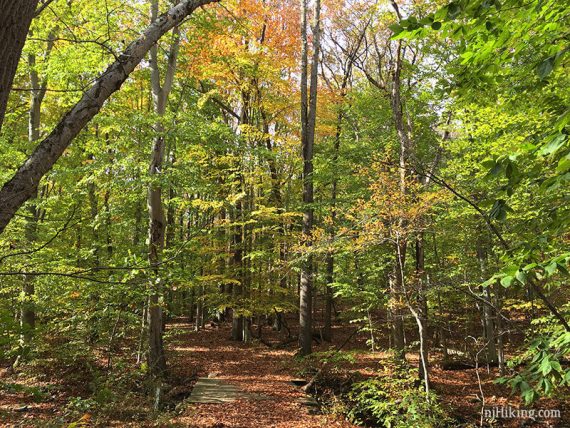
(327, 330)
(237, 320)
(342, 88)
(308, 122)
(500, 331)
(25, 181)
(488, 322)
(422, 310)
(278, 201)
(492, 357)
(157, 221)
(199, 309)
(15, 20)
(424, 367)
(396, 297)
(400, 247)
(28, 312)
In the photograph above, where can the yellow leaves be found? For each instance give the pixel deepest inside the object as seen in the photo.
(74, 295)
(204, 205)
(452, 259)
(252, 44)
(252, 133)
(203, 100)
(267, 213)
(234, 198)
(397, 205)
(83, 421)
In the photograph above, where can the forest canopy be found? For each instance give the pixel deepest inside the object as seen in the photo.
(315, 178)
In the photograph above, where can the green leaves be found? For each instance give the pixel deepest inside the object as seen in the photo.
(551, 268)
(507, 281)
(396, 28)
(392, 400)
(408, 28)
(543, 373)
(453, 10)
(521, 276)
(553, 143)
(436, 25)
(545, 68)
(499, 210)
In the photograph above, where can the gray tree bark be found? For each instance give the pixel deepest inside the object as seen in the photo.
(157, 221)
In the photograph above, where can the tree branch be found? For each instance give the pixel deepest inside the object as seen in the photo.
(42, 7)
(26, 180)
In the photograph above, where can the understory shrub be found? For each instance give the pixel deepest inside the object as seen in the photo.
(394, 398)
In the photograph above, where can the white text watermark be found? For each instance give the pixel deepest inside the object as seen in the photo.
(508, 412)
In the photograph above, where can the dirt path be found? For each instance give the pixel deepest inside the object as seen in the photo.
(253, 368)
(42, 401)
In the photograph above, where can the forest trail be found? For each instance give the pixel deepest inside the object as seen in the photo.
(263, 373)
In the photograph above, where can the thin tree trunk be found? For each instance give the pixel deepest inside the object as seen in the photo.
(396, 297)
(308, 122)
(347, 74)
(237, 320)
(199, 309)
(157, 221)
(421, 329)
(500, 332)
(488, 322)
(422, 310)
(106, 198)
(28, 312)
(400, 247)
(327, 330)
(278, 202)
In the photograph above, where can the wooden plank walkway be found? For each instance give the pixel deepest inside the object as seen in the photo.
(211, 390)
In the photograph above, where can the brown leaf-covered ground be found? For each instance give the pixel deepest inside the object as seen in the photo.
(253, 367)
(260, 369)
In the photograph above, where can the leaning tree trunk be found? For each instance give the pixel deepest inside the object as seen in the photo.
(396, 307)
(25, 181)
(15, 20)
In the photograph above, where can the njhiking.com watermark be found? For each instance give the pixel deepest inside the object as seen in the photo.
(508, 412)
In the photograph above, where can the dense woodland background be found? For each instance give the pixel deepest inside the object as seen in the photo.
(376, 179)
